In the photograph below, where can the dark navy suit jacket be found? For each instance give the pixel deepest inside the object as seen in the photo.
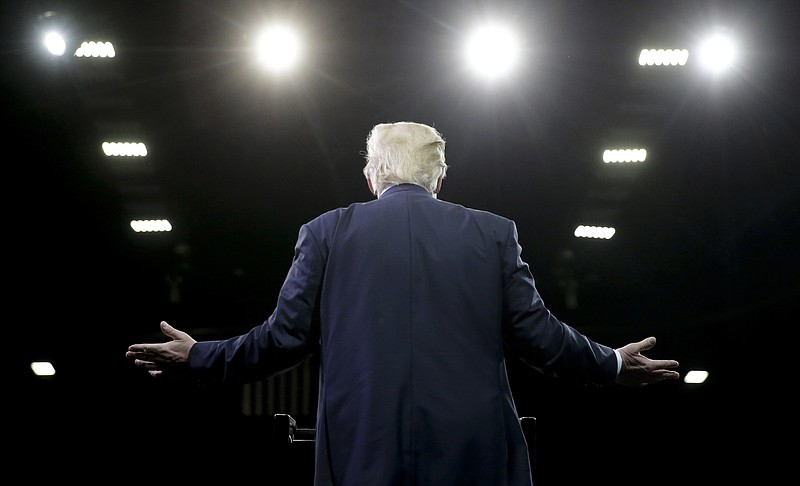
(414, 304)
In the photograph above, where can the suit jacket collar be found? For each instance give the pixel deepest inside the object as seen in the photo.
(406, 187)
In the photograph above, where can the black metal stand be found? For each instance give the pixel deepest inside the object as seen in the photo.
(288, 438)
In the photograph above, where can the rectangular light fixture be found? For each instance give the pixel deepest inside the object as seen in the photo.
(624, 155)
(663, 57)
(602, 232)
(95, 49)
(151, 225)
(124, 149)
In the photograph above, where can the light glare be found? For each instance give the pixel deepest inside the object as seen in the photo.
(55, 44)
(695, 376)
(624, 155)
(95, 49)
(43, 368)
(124, 149)
(663, 57)
(602, 232)
(717, 53)
(278, 48)
(151, 225)
(492, 51)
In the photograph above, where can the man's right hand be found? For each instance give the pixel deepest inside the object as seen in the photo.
(156, 357)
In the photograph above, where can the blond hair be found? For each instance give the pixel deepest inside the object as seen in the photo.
(404, 152)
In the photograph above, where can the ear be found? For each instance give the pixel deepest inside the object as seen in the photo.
(438, 185)
(371, 188)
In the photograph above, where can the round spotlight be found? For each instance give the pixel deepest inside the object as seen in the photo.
(55, 44)
(717, 53)
(278, 48)
(492, 51)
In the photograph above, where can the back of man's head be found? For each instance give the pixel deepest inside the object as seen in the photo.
(405, 152)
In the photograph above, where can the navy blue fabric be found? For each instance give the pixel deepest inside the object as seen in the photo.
(414, 304)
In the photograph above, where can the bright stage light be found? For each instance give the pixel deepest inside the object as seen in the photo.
(492, 51)
(663, 57)
(695, 376)
(624, 155)
(717, 53)
(43, 368)
(96, 49)
(55, 44)
(124, 149)
(278, 48)
(151, 225)
(588, 231)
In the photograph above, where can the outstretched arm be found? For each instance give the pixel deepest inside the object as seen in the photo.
(638, 370)
(156, 357)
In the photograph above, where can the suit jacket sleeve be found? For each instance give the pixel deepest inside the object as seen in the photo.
(540, 339)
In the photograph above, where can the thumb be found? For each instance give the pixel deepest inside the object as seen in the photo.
(169, 331)
(638, 347)
(645, 344)
(175, 334)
